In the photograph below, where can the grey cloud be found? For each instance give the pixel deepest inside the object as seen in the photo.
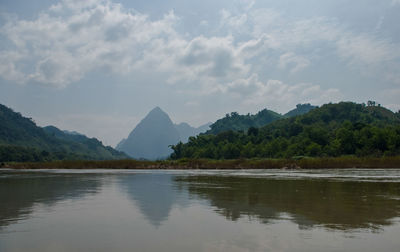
(274, 92)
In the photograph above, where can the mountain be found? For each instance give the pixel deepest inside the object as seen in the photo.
(120, 144)
(300, 110)
(331, 130)
(22, 140)
(151, 138)
(185, 130)
(236, 122)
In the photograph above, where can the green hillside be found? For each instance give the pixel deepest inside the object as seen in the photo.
(22, 140)
(236, 122)
(300, 110)
(332, 130)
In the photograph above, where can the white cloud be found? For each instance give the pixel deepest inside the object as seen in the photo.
(274, 32)
(75, 37)
(362, 49)
(295, 62)
(233, 21)
(275, 93)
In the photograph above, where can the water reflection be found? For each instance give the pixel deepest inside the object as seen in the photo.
(329, 203)
(20, 191)
(343, 205)
(154, 194)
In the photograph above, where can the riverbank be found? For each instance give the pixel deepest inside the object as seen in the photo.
(303, 163)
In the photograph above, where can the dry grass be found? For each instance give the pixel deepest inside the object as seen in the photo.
(304, 163)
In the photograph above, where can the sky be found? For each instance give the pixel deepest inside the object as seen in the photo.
(99, 66)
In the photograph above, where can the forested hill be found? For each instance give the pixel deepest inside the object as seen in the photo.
(332, 130)
(22, 140)
(300, 110)
(236, 122)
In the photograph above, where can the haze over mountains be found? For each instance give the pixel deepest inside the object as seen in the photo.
(151, 138)
(22, 140)
(307, 130)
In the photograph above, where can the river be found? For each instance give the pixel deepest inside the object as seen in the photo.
(241, 210)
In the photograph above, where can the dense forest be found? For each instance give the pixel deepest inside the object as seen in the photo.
(332, 130)
(236, 122)
(22, 140)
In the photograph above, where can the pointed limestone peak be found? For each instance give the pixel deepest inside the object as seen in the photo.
(157, 112)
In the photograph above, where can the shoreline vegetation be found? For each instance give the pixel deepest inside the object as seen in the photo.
(193, 164)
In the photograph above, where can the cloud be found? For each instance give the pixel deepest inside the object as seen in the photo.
(290, 37)
(275, 93)
(362, 49)
(297, 63)
(73, 38)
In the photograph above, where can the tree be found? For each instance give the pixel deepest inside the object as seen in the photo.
(252, 131)
(177, 150)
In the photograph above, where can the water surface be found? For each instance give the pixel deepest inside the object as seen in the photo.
(260, 210)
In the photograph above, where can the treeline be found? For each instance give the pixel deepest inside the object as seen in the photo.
(330, 131)
(236, 122)
(10, 153)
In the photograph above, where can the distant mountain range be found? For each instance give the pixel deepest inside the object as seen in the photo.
(151, 138)
(332, 130)
(22, 140)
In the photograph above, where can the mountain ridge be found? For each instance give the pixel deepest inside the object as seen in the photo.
(22, 140)
(332, 130)
(236, 122)
(152, 136)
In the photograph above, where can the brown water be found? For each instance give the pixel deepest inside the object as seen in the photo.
(263, 210)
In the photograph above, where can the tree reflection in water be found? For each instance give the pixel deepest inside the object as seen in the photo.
(20, 191)
(343, 205)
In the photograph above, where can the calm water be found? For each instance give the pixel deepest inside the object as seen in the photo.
(270, 210)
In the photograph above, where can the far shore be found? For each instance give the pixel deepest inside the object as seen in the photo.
(187, 164)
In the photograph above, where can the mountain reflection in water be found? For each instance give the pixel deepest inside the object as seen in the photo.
(154, 194)
(338, 205)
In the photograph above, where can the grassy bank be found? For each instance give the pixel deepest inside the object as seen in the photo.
(304, 163)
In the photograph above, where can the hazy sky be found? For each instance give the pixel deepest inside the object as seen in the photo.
(97, 67)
